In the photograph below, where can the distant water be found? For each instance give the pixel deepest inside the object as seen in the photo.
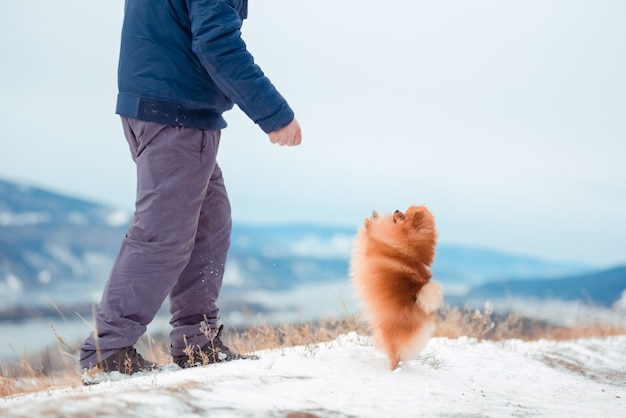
(305, 303)
(33, 337)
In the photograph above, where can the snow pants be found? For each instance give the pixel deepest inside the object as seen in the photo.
(176, 243)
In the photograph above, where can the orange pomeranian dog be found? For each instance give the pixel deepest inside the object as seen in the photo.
(390, 269)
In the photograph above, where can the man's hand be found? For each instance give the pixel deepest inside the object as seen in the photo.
(290, 135)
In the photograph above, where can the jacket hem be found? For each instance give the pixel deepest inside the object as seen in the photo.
(168, 113)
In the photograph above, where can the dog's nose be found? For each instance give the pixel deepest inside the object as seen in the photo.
(396, 211)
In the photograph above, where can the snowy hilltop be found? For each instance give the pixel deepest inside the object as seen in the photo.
(347, 377)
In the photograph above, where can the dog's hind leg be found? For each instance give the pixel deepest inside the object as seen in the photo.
(394, 362)
(394, 356)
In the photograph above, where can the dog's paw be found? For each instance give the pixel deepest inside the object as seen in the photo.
(429, 297)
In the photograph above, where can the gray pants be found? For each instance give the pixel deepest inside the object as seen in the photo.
(176, 244)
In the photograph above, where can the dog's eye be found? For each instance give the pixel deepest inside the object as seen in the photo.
(402, 218)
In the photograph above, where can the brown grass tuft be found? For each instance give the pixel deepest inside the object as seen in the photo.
(269, 337)
(488, 325)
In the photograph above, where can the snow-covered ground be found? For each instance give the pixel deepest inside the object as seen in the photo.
(348, 378)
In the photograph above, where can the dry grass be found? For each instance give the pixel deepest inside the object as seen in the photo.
(488, 325)
(268, 337)
(51, 370)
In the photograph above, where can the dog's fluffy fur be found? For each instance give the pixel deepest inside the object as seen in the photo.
(390, 269)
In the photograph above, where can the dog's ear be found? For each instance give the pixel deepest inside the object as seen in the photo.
(416, 219)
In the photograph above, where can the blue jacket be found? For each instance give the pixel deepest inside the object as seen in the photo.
(183, 63)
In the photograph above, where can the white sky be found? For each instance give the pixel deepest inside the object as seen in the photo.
(506, 118)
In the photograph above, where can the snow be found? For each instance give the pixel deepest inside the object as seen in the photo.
(348, 377)
(23, 219)
(620, 305)
(118, 218)
(11, 284)
(337, 246)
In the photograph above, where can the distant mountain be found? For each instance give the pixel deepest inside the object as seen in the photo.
(271, 248)
(23, 206)
(475, 266)
(52, 241)
(62, 248)
(602, 288)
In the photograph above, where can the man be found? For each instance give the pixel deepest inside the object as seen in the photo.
(182, 64)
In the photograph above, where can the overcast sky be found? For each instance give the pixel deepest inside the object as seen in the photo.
(507, 119)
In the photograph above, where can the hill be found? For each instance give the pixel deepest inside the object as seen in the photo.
(346, 377)
(49, 241)
(603, 288)
(59, 248)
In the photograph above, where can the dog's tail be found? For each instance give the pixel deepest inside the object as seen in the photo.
(429, 297)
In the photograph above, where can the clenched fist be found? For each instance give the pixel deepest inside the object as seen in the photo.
(289, 135)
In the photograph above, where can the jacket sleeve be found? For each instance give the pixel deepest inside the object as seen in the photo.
(216, 40)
